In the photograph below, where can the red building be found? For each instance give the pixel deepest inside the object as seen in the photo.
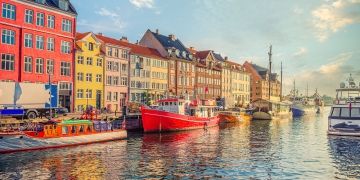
(37, 38)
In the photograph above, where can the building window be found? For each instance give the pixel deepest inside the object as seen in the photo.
(40, 19)
(64, 86)
(116, 52)
(39, 64)
(8, 11)
(50, 66)
(29, 16)
(124, 81)
(65, 69)
(50, 44)
(98, 78)
(109, 51)
(88, 93)
(109, 65)
(39, 42)
(28, 41)
(108, 96)
(91, 46)
(88, 77)
(7, 62)
(65, 47)
(124, 68)
(99, 62)
(63, 4)
(51, 21)
(80, 93)
(116, 67)
(115, 98)
(66, 25)
(89, 61)
(80, 76)
(28, 64)
(124, 54)
(80, 60)
(116, 81)
(8, 37)
(109, 80)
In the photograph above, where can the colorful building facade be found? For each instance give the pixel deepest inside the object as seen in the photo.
(37, 39)
(148, 73)
(208, 75)
(116, 73)
(181, 73)
(89, 72)
(240, 85)
(260, 83)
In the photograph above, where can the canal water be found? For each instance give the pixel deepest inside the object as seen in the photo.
(277, 149)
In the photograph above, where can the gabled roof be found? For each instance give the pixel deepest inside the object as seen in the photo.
(218, 57)
(112, 41)
(53, 4)
(134, 48)
(79, 35)
(144, 51)
(263, 72)
(169, 43)
(202, 54)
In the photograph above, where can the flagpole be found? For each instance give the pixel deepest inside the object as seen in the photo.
(50, 113)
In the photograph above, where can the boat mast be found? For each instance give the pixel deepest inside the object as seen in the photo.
(281, 81)
(270, 54)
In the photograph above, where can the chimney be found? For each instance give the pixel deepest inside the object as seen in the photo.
(192, 48)
(157, 31)
(226, 58)
(172, 37)
(124, 39)
(100, 33)
(137, 42)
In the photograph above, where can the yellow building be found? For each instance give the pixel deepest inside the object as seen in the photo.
(89, 72)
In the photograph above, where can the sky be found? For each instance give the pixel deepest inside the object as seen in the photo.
(318, 41)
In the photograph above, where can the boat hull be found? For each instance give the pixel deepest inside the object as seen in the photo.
(261, 116)
(227, 118)
(162, 121)
(23, 142)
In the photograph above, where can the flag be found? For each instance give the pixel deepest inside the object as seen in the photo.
(17, 92)
(206, 89)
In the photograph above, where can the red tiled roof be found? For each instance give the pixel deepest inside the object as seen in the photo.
(79, 35)
(192, 51)
(202, 54)
(134, 48)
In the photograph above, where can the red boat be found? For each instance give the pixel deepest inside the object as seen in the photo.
(178, 114)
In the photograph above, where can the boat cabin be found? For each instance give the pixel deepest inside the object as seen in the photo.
(69, 128)
(266, 106)
(199, 108)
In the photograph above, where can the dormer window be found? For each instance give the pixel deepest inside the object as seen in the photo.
(190, 56)
(184, 54)
(169, 51)
(64, 5)
(91, 46)
(177, 52)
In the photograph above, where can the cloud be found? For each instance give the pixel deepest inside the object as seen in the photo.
(142, 3)
(302, 51)
(106, 12)
(335, 15)
(298, 10)
(326, 77)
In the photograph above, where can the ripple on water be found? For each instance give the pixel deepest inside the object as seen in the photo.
(278, 149)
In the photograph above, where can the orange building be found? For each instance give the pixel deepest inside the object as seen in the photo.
(260, 83)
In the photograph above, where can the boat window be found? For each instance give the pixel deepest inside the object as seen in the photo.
(180, 103)
(335, 112)
(166, 103)
(81, 130)
(175, 103)
(345, 112)
(64, 130)
(73, 129)
(355, 112)
(171, 103)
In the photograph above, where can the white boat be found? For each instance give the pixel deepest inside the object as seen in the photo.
(267, 110)
(344, 117)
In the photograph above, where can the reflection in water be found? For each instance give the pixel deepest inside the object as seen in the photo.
(345, 152)
(278, 149)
